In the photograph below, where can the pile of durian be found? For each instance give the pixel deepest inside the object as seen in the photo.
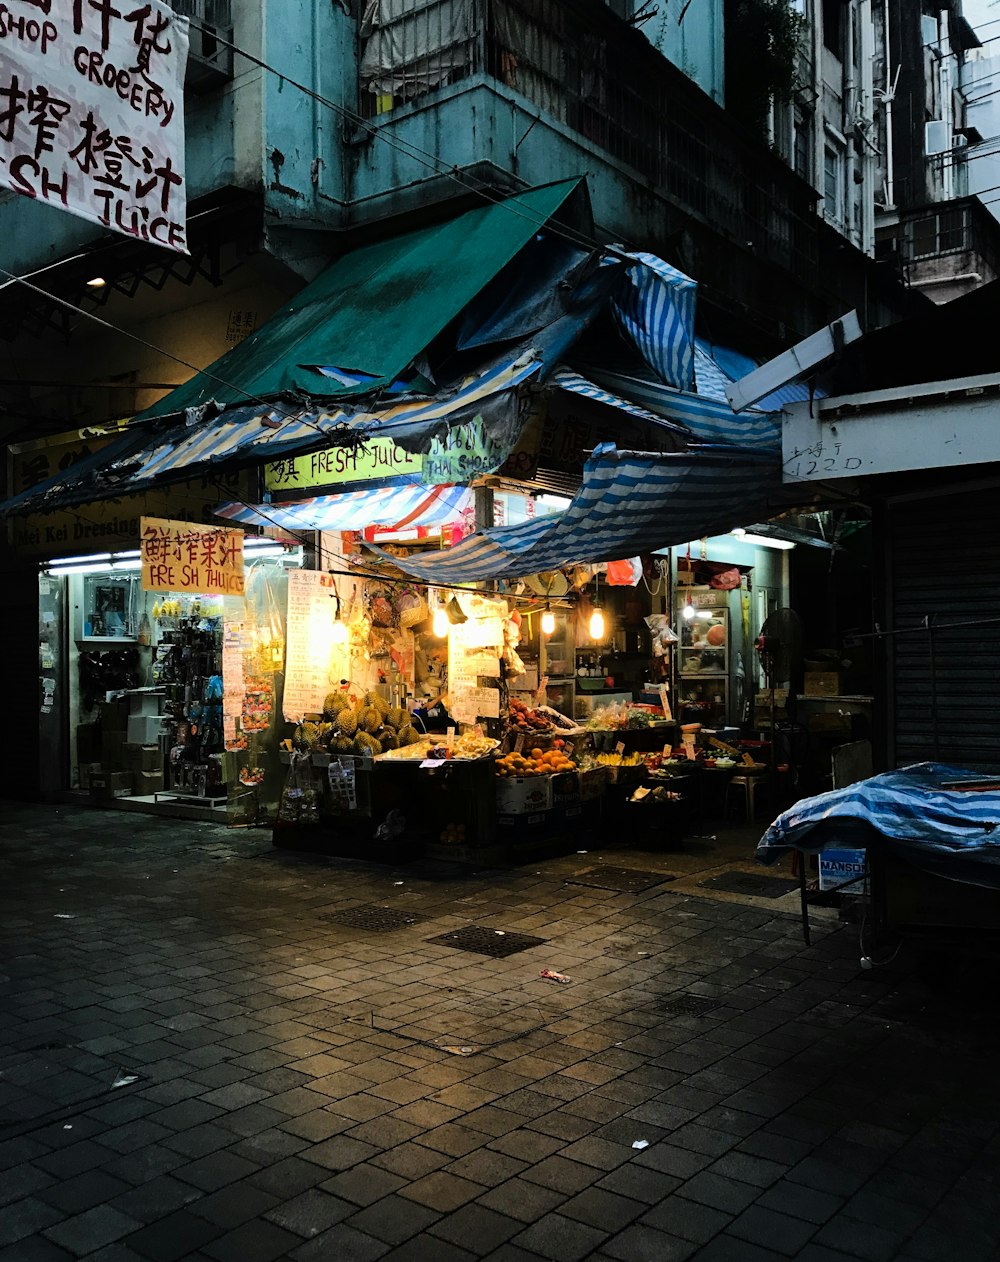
(369, 726)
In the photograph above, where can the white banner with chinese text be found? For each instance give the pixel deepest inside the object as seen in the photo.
(92, 112)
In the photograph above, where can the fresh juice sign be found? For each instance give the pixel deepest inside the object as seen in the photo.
(181, 556)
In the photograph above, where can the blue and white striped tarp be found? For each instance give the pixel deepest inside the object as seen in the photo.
(653, 305)
(706, 419)
(629, 503)
(398, 507)
(567, 379)
(952, 832)
(154, 452)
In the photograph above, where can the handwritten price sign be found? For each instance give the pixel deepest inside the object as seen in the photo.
(181, 556)
(92, 111)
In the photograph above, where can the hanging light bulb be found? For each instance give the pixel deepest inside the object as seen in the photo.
(688, 611)
(548, 621)
(597, 624)
(441, 625)
(339, 634)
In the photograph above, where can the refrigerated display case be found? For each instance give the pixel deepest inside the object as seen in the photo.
(703, 657)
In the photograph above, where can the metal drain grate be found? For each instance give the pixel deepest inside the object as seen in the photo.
(624, 880)
(759, 886)
(493, 942)
(374, 918)
(690, 1005)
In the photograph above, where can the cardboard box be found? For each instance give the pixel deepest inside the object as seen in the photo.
(146, 782)
(145, 729)
(105, 786)
(84, 772)
(523, 795)
(142, 757)
(823, 683)
(838, 866)
(111, 749)
(114, 715)
(831, 724)
(145, 701)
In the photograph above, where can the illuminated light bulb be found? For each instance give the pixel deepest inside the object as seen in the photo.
(548, 622)
(688, 611)
(597, 625)
(339, 633)
(96, 282)
(441, 624)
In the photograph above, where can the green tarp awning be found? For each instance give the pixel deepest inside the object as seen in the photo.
(375, 309)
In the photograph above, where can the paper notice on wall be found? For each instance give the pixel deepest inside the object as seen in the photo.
(469, 704)
(313, 660)
(482, 632)
(475, 661)
(232, 668)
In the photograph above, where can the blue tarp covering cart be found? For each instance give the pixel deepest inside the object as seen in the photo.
(932, 834)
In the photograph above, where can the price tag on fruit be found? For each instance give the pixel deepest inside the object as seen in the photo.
(620, 747)
(664, 703)
(519, 743)
(450, 738)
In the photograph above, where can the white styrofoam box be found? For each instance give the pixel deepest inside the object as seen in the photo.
(838, 866)
(144, 729)
(518, 795)
(145, 701)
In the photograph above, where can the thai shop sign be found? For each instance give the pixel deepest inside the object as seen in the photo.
(92, 112)
(467, 451)
(181, 556)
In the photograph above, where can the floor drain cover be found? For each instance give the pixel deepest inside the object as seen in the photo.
(690, 1005)
(751, 883)
(493, 942)
(374, 918)
(624, 880)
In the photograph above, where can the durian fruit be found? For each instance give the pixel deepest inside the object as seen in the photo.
(364, 743)
(380, 704)
(347, 721)
(333, 703)
(407, 733)
(398, 718)
(369, 719)
(343, 745)
(306, 735)
(387, 738)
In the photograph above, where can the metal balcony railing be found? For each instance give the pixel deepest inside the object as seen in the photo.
(589, 70)
(210, 61)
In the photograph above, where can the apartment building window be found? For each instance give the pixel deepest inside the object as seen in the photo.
(802, 145)
(832, 184)
(833, 27)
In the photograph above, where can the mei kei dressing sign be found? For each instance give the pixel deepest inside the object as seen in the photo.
(92, 111)
(181, 556)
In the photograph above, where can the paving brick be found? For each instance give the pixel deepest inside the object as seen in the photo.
(728, 1195)
(393, 1219)
(340, 1152)
(807, 1203)
(256, 1241)
(176, 1237)
(215, 1171)
(687, 1219)
(727, 1248)
(342, 1243)
(561, 1174)
(520, 1199)
(475, 1225)
(311, 1212)
(25, 1217)
(645, 1244)
(84, 1192)
(91, 1230)
(639, 1183)
(603, 1209)
(860, 1240)
(411, 1161)
(234, 1205)
(555, 1236)
(769, 1229)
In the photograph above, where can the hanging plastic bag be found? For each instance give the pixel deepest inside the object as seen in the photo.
(624, 573)
(299, 798)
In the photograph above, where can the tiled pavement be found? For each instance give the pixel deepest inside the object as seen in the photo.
(294, 1095)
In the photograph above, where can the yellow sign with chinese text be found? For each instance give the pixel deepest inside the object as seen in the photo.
(181, 556)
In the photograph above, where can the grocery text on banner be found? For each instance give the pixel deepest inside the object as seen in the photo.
(92, 112)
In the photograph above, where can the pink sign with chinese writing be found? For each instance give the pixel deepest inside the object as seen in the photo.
(181, 556)
(92, 111)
